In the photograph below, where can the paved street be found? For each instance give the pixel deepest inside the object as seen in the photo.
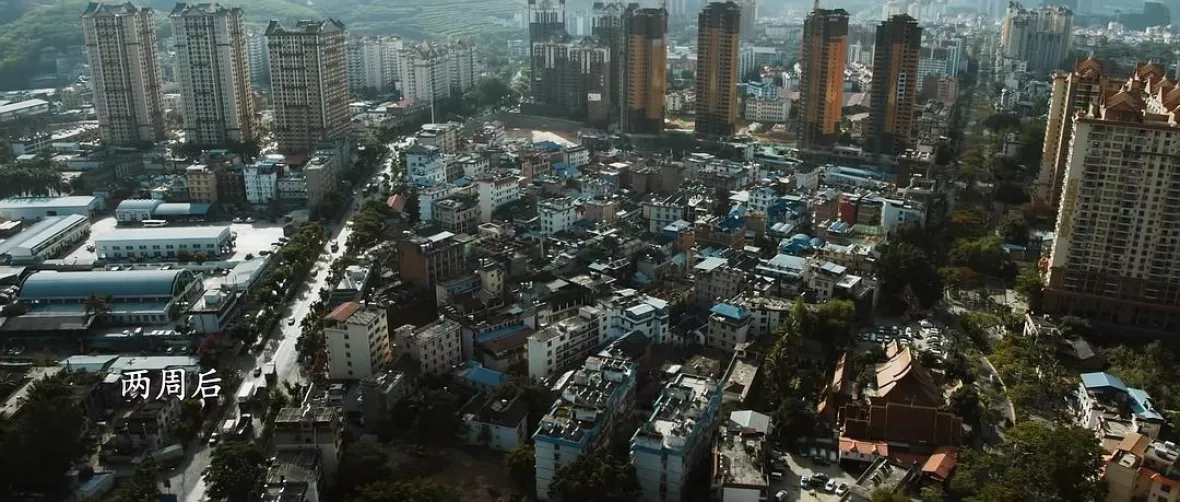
(280, 349)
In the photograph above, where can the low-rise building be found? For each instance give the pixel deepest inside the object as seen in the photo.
(380, 393)
(45, 239)
(630, 311)
(768, 110)
(741, 450)
(1142, 469)
(294, 476)
(357, 340)
(424, 261)
(458, 214)
(261, 180)
(557, 215)
(436, 347)
(36, 208)
(1107, 406)
(129, 297)
(563, 344)
(425, 165)
(495, 191)
(168, 243)
(679, 432)
(495, 423)
(311, 427)
(594, 400)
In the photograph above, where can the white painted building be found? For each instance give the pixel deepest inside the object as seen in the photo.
(557, 215)
(445, 136)
(425, 73)
(374, 62)
(436, 347)
(213, 73)
(164, 243)
(262, 180)
(357, 340)
(630, 311)
(679, 432)
(425, 165)
(462, 61)
(45, 239)
(496, 424)
(773, 111)
(564, 343)
(495, 192)
(428, 195)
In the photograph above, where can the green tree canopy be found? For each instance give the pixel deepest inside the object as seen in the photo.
(236, 472)
(1014, 229)
(47, 430)
(886, 495)
(141, 486)
(364, 462)
(597, 476)
(408, 490)
(521, 466)
(1040, 461)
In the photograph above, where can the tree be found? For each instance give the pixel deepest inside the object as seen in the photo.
(596, 476)
(409, 490)
(1040, 461)
(902, 264)
(364, 462)
(1014, 229)
(887, 495)
(1001, 122)
(48, 430)
(491, 90)
(985, 255)
(834, 321)
(140, 486)
(521, 466)
(932, 493)
(411, 209)
(236, 472)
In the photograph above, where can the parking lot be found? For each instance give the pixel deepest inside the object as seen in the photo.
(798, 466)
(925, 336)
(251, 238)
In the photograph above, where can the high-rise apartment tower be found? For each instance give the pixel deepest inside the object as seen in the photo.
(309, 83)
(128, 91)
(1072, 92)
(895, 86)
(646, 73)
(821, 84)
(718, 27)
(214, 73)
(1040, 36)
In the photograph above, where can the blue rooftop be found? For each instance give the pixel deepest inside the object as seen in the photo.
(122, 284)
(1142, 405)
(482, 376)
(730, 311)
(1103, 379)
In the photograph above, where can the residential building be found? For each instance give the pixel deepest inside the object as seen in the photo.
(495, 423)
(566, 342)
(556, 215)
(889, 128)
(1040, 36)
(546, 22)
(425, 73)
(729, 327)
(314, 427)
(425, 165)
(594, 399)
(156, 244)
(457, 214)
(309, 84)
(380, 394)
(718, 26)
(768, 111)
(1076, 91)
(495, 191)
(741, 450)
(461, 54)
(374, 62)
(1141, 468)
(628, 311)
(294, 475)
(426, 260)
(261, 180)
(444, 136)
(259, 58)
(357, 341)
(1107, 406)
(214, 73)
(749, 19)
(321, 174)
(646, 56)
(571, 79)
(121, 43)
(1114, 259)
(608, 23)
(679, 432)
(436, 347)
(716, 280)
(45, 239)
(821, 84)
(202, 183)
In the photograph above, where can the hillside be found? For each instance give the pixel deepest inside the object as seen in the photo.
(26, 26)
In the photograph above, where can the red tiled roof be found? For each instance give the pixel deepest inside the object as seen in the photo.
(848, 445)
(941, 463)
(396, 202)
(344, 311)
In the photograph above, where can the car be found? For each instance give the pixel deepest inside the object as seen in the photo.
(257, 372)
(804, 482)
(291, 321)
(842, 489)
(213, 438)
(249, 220)
(830, 487)
(820, 478)
(781, 496)
(909, 332)
(925, 323)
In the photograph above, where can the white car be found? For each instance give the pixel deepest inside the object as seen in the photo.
(909, 332)
(925, 323)
(830, 487)
(842, 489)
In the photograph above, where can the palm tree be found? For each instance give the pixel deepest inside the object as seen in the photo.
(96, 306)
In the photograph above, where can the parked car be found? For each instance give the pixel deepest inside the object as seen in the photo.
(213, 438)
(830, 487)
(804, 483)
(291, 321)
(842, 489)
(257, 372)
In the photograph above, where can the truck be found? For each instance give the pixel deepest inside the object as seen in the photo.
(245, 392)
(270, 373)
(169, 456)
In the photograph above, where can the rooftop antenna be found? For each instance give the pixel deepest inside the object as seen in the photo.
(815, 6)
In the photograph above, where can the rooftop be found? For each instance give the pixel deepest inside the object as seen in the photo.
(308, 414)
(585, 400)
(682, 412)
(164, 234)
(41, 232)
(739, 457)
(47, 202)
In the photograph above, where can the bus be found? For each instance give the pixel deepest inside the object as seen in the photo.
(154, 223)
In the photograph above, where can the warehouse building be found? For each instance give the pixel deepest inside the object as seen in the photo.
(45, 239)
(36, 208)
(128, 297)
(164, 243)
(139, 210)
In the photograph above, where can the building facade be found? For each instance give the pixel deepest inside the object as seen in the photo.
(717, 69)
(436, 347)
(646, 73)
(1040, 36)
(214, 73)
(374, 62)
(357, 340)
(678, 433)
(895, 86)
(821, 83)
(309, 83)
(125, 70)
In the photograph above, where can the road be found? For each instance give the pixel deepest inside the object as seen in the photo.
(280, 350)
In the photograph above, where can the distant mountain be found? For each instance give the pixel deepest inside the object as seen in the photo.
(27, 26)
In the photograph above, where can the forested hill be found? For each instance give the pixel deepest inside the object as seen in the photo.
(26, 26)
